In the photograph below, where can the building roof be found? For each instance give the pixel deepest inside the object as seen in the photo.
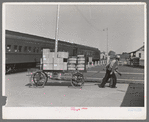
(137, 49)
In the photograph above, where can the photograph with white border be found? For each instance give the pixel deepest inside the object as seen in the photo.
(80, 60)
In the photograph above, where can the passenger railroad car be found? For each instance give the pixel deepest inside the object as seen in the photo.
(25, 50)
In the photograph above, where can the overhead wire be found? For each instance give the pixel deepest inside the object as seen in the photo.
(94, 27)
(87, 19)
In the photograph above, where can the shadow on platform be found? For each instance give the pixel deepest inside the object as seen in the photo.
(56, 83)
(134, 96)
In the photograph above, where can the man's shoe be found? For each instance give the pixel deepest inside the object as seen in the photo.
(100, 86)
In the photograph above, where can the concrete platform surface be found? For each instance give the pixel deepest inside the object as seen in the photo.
(57, 93)
(62, 94)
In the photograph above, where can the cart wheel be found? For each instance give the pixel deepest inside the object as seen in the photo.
(77, 79)
(40, 78)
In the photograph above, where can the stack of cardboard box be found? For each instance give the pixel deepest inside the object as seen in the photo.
(72, 63)
(81, 62)
(54, 60)
(61, 57)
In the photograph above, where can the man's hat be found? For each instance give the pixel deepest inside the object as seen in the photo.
(117, 57)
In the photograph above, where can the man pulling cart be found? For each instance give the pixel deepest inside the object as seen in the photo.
(110, 68)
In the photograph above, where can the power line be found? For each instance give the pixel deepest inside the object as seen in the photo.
(87, 19)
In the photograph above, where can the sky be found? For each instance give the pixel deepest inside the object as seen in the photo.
(116, 27)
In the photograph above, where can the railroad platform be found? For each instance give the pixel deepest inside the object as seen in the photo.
(58, 93)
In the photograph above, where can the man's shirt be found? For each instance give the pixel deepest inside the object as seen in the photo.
(113, 65)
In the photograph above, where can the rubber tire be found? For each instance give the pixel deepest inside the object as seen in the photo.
(76, 83)
(41, 73)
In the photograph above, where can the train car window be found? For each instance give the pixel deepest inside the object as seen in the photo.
(29, 49)
(20, 48)
(15, 48)
(37, 49)
(8, 48)
(34, 50)
(25, 49)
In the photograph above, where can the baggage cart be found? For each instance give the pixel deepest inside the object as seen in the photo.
(76, 67)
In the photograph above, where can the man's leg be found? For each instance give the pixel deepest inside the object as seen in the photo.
(111, 82)
(114, 80)
(105, 79)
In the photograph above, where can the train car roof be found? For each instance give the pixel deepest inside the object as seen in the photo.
(20, 34)
(27, 35)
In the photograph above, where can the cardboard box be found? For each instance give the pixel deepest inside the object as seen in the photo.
(58, 60)
(80, 61)
(47, 60)
(80, 68)
(64, 65)
(46, 55)
(71, 65)
(48, 66)
(71, 61)
(58, 66)
(63, 54)
(45, 51)
(53, 55)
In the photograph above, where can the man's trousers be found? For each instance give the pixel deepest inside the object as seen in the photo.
(106, 78)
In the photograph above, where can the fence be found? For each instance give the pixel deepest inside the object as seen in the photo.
(96, 63)
(104, 62)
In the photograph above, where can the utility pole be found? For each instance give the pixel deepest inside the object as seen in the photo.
(107, 38)
(108, 58)
(56, 30)
(107, 41)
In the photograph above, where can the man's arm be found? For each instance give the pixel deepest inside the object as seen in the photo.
(118, 72)
(113, 66)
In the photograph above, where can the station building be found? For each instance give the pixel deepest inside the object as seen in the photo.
(102, 55)
(138, 53)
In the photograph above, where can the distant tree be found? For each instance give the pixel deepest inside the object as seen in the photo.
(111, 53)
(125, 55)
